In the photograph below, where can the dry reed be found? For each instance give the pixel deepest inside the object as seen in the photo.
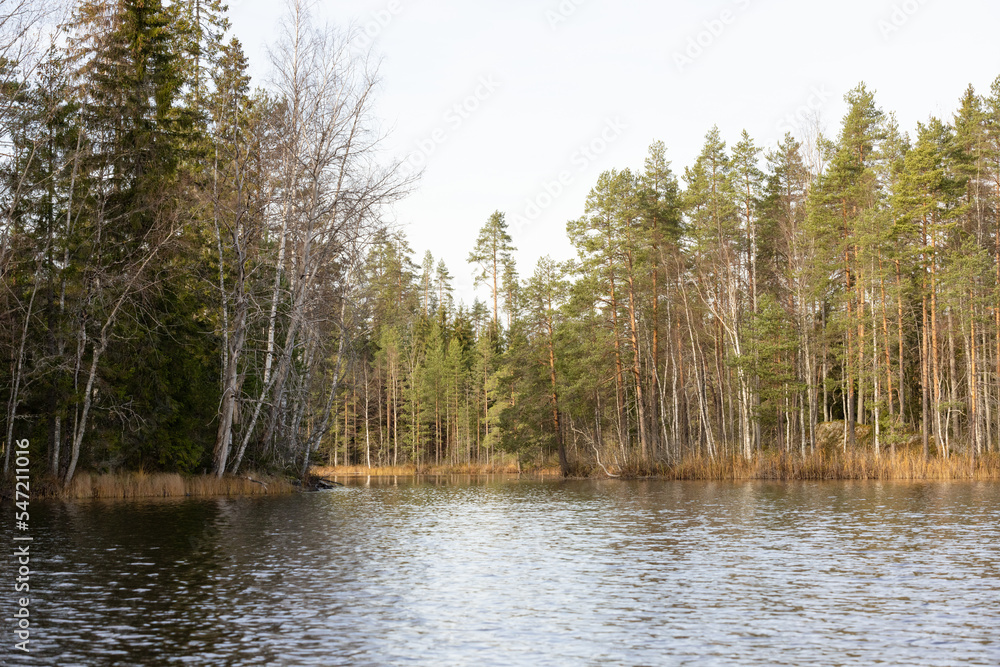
(904, 465)
(162, 485)
(825, 464)
(504, 468)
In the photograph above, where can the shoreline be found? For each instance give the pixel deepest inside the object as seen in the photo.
(774, 467)
(130, 485)
(771, 466)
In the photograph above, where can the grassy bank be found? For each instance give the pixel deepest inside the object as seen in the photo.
(765, 466)
(159, 485)
(411, 470)
(904, 465)
(842, 466)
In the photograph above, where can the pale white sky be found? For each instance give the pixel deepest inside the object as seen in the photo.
(519, 105)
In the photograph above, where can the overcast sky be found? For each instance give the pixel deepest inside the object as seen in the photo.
(519, 105)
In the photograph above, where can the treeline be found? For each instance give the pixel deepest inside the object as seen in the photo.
(726, 313)
(196, 276)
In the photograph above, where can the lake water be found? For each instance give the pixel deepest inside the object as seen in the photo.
(517, 572)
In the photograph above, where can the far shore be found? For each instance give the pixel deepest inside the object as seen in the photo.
(775, 466)
(769, 466)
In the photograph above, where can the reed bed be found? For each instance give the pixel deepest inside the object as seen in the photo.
(165, 485)
(905, 464)
(504, 468)
(840, 466)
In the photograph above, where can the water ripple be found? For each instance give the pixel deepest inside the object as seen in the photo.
(517, 572)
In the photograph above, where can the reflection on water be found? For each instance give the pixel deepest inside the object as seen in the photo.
(501, 572)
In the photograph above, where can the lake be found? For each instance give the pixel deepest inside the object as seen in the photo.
(460, 571)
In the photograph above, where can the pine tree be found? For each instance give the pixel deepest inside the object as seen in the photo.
(748, 186)
(661, 212)
(597, 238)
(928, 194)
(713, 227)
(545, 293)
(845, 195)
(492, 254)
(786, 258)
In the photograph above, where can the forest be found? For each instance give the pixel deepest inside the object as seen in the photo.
(198, 276)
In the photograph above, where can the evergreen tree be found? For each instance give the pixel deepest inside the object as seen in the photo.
(846, 195)
(492, 254)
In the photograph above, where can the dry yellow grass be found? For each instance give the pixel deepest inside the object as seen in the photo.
(905, 464)
(506, 468)
(844, 466)
(826, 464)
(901, 458)
(345, 471)
(163, 485)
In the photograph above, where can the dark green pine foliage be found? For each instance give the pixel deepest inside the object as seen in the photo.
(845, 197)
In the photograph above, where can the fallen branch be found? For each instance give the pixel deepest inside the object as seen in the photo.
(598, 455)
(256, 481)
(593, 446)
